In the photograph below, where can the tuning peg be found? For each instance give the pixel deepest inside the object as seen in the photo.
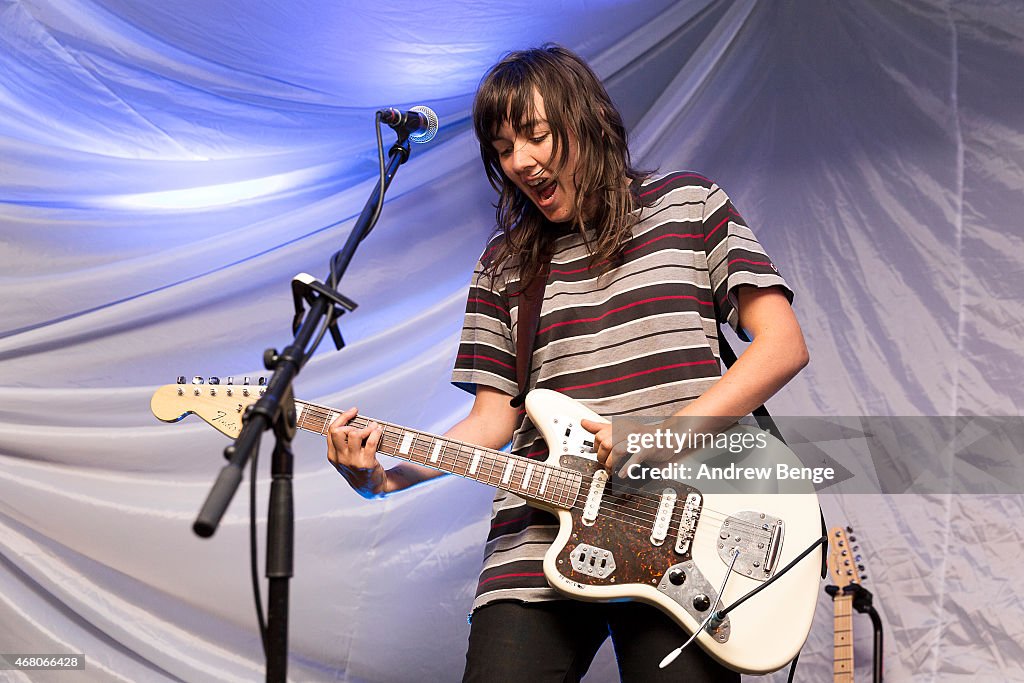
(197, 380)
(229, 380)
(245, 381)
(181, 379)
(853, 539)
(213, 380)
(849, 529)
(263, 381)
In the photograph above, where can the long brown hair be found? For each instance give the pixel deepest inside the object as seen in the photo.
(574, 100)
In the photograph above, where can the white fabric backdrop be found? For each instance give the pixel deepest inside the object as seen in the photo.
(165, 169)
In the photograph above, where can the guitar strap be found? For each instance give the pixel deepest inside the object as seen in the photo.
(761, 414)
(530, 300)
(765, 421)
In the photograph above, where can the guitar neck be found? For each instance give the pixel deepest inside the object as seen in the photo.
(530, 479)
(842, 648)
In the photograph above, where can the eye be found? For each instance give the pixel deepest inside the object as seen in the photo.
(504, 152)
(539, 139)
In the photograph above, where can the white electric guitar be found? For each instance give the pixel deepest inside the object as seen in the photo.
(663, 541)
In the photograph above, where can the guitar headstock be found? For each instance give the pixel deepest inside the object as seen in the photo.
(845, 561)
(219, 405)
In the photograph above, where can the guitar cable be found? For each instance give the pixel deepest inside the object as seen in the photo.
(671, 656)
(253, 559)
(718, 616)
(821, 541)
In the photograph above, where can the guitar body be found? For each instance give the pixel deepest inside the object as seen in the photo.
(667, 542)
(751, 640)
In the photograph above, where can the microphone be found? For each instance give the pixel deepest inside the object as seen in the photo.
(419, 122)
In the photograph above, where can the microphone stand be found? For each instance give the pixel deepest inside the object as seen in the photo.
(276, 410)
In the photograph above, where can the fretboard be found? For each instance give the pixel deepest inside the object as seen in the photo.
(530, 479)
(842, 648)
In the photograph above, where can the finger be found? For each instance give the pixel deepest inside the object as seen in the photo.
(602, 446)
(373, 441)
(346, 417)
(359, 444)
(593, 426)
(628, 461)
(338, 425)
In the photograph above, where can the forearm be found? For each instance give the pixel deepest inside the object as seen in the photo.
(763, 368)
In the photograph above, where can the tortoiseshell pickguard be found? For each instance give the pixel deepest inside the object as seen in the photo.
(637, 560)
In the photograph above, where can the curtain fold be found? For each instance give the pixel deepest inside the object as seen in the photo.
(166, 170)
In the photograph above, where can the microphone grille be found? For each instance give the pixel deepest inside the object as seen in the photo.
(426, 135)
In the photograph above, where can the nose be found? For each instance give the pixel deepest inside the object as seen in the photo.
(522, 159)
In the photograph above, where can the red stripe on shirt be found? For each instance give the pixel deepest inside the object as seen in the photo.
(509, 576)
(493, 360)
(673, 178)
(637, 374)
(622, 308)
(660, 237)
(753, 263)
(511, 521)
(488, 303)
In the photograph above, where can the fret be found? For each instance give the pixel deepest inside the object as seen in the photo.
(507, 476)
(526, 478)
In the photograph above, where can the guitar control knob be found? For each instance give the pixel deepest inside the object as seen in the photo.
(701, 602)
(677, 577)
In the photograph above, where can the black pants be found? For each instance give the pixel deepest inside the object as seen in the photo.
(555, 642)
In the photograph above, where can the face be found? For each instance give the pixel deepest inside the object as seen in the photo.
(527, 160)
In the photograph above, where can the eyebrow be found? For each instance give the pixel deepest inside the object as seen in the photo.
(525, 125)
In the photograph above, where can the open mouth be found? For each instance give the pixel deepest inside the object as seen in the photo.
(545, 190)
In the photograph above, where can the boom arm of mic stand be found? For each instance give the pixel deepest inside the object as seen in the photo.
(263, 413)
(276, 408)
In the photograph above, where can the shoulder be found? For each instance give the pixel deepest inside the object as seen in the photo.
(675, 184)
(494, 270)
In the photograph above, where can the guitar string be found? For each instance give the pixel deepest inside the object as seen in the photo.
(456, 455)
(627, 513)
(647, 517)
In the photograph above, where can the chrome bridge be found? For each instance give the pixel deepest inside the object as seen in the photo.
(758, 538)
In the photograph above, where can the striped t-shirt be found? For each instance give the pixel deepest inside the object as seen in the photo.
(640, 339)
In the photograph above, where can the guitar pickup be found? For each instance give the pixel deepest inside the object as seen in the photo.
(588, 559)
(688, 523)
(663, 517)
(594, 496)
